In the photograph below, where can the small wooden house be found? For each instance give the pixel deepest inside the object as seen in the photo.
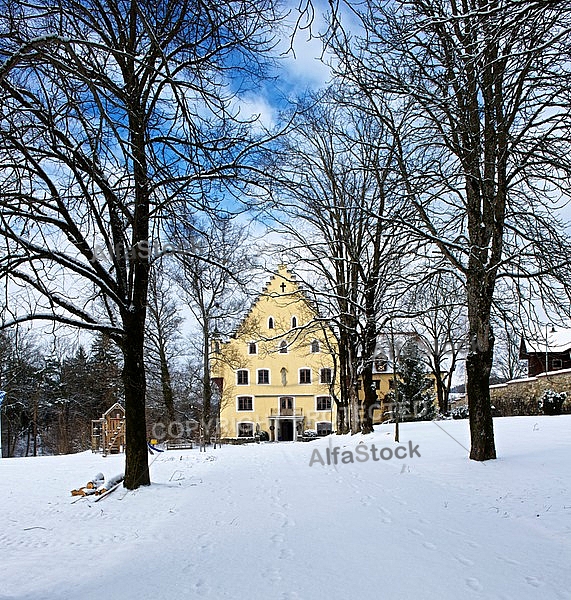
(547, 353)
(108, 432)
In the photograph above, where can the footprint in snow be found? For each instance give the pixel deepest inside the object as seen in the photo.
(273, 575)
(465, 561)
(534, 581)
(509, 561)
(201, 587)
(474, 584)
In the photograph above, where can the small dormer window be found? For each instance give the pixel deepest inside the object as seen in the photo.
(252, 348)
(314, 346)
(293, 322)
(271, 323)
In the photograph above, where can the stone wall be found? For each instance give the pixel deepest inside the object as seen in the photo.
(521, 396)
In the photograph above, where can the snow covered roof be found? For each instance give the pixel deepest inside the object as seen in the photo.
(116, 406)
(558, 340)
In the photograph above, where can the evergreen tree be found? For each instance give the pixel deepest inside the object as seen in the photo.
(105, 366)
(416, 388)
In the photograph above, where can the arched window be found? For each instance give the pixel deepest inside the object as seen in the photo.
(271, 323)
(283, 347)
(314, 346)
(245, 429)
(293, 322)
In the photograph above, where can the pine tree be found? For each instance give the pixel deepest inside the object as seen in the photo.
(105, 370)
(416, 393)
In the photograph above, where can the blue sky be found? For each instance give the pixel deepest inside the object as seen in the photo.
(298, 70)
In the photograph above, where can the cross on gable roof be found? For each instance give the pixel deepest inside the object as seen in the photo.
(273, 288)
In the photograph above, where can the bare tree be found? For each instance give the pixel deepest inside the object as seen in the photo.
(337, 204)
(510, 328)
(163, 337)
(212, 271)
(112, 112)
(480, 94)
(438, 314)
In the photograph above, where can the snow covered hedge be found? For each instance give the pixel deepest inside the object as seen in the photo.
(550, 402)
(460, 412)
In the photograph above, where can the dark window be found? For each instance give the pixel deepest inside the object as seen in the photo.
(263, 376)
(305, 376)
(323, 402)
(271, 323)
(252, 348)
(557, 363)
(314, 346)
(245, 403)
(245, 430)
(325, 376)
(380, 365)
(283, 347)
(242, 377)
(323, 428)
(286, 403)
(377, 384)
(391, 384)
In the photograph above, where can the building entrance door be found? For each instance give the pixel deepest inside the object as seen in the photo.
(286, 431)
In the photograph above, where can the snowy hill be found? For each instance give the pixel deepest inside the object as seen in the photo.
(257, 522)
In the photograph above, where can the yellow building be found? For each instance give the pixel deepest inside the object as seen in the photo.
(277, 374)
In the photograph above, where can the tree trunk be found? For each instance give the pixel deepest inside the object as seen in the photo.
(478, 369)
(370, 398)
(136, 461)
(135, 313)
(369, 345)
(166, 385)
(206, 385)
(440, 389)
(35, 427)
(351, 384)
(478, 366)
(343, 405)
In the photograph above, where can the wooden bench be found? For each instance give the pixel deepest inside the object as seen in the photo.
(179, 445)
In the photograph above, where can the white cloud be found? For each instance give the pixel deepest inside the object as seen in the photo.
(257, 106)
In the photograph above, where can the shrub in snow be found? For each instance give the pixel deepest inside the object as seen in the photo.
(551, 402)
(460, 412)
(310, 433)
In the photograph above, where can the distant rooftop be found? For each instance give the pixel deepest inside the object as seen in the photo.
(558, 340)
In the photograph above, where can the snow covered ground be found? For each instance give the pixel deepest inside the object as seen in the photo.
(257, 522)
